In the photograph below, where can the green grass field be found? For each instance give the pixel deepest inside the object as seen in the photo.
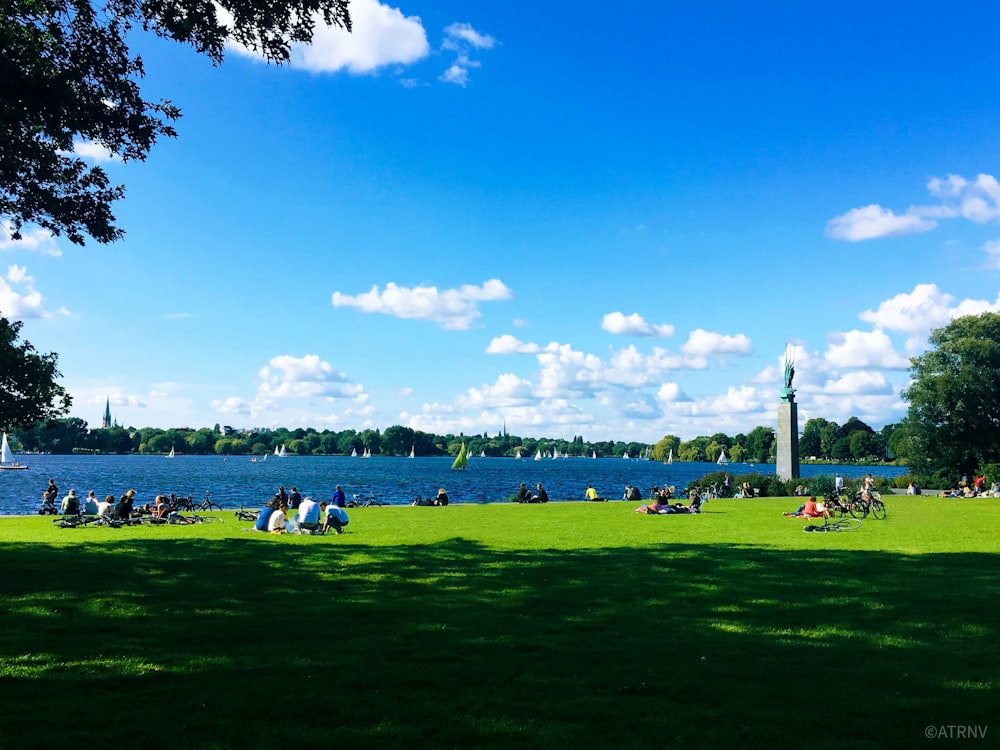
(552, 626)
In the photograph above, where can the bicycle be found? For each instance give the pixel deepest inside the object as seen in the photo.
(246, 515)
(366, 500)
(841, 524)
(861, 506)
(207, 504)
(73, 522)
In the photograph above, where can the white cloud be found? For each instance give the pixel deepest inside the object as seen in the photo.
(671, 393)
(452, 309)
(18, 297)
(916, 313)
(634, 325)
(992, 250)
(873, 221)
(381, 36)
(860, 383)
(36, 240)
(462, 39)
(976, 200)
(233, 405)
(304, 377)
(703, 343)
(508, 344)
(859, 349)
(93, 151)
(463, 32)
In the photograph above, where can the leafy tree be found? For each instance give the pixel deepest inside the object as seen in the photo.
(760, 442)
(661, 451)
(28, 388)
(68, 73)
(954, 395)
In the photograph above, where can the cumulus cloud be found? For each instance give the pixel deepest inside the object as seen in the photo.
(18, 297)
(381, 35)
(452, 309)
(975, 200)
(703, 343)
(304, 377)
(860, 349)
(93, 151)
(508, 344)
(37, 240)
(671, 393)
(869, 222)
(860, 383)
(634, 325)
(918, 312)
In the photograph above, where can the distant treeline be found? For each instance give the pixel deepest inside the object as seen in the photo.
(821, 439)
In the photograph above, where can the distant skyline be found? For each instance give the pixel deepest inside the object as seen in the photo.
(577, 223)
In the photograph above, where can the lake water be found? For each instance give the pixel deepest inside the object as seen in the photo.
(237, 480)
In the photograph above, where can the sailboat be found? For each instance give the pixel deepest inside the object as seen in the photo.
(354, 452)
(171, 454)
(482, 454)
(413, 453)
(625, 456)
(538, 455)
(367, 453)
(461, 460)
(722, 457)
(593, 454)
(6, 457)
(670, 456)
(555, 453)
(517, 455)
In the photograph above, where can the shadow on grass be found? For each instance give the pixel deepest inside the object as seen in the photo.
(226, 643)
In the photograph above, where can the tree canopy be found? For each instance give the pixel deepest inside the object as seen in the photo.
(954, 417)
(28, 388)
(69, 75)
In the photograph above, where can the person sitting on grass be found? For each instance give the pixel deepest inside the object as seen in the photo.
(307, 519)
(70, 504)
(276, 523)
(442, 497)
(659, 506)
(592, 495)
(810, 509)
(265, 515)
(336, 518)
(523, 496)
(541, 496)
(90, 504)
(106, 508)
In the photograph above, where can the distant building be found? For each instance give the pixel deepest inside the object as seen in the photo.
(107, 415)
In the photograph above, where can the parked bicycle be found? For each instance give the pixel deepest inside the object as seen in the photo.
(862, 505)
(365, 500)
(245, 514)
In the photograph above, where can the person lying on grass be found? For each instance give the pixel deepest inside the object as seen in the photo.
(810, 509)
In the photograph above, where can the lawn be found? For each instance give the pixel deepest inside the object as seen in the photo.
(496, 626)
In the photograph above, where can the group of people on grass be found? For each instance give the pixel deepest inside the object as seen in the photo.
(524, 495)
(976, 488)
(307, 516)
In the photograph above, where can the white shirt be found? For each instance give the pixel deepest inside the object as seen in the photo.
(309, 511)
(276, 521)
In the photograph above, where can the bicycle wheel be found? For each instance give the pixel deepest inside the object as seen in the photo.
(210, 519)
(65, 522)
(847, 524)
(878, 509)
(858, 509)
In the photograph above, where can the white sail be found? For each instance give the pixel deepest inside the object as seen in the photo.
(354, 452)
(625, 456)
(517, 455)
(7, 456)
(722, 458)
(538, 455)
(593, 454)
(670, 456)
(555, 453)
(171, 454)
(413, 453)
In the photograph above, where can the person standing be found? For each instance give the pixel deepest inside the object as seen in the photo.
(339, 498)
(294, 499)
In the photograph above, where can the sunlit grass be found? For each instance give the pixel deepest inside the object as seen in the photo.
(582, 625)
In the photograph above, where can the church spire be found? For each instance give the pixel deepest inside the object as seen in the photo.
(107, 414)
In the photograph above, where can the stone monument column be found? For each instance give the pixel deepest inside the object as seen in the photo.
(787, 450)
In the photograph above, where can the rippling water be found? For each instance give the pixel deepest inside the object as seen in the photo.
(238, 480)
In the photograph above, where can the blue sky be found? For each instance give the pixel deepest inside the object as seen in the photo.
(574, 218)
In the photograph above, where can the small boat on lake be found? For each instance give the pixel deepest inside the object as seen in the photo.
(7, 456)
(461, 460)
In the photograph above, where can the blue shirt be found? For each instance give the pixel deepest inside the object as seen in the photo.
(262, 519)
